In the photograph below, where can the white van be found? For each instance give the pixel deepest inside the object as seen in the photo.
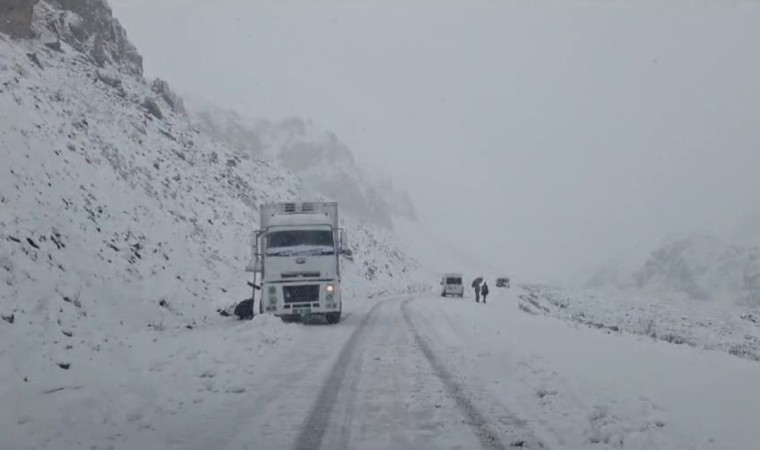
(452, 286)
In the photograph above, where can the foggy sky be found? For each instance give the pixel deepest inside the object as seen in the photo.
(544, 136)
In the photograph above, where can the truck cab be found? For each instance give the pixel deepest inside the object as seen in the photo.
(296, 254)
(451, 285)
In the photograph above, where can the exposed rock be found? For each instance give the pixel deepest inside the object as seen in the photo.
(32, 243)
(89, 27)
(174, 101)
(152, 106)
(55, 46)
(110, 79)
(33, 58)
(16, 18)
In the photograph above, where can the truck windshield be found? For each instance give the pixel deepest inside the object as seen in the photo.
(453, 280)
(300, 242)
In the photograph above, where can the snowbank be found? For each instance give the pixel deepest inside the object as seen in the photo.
(732, 329)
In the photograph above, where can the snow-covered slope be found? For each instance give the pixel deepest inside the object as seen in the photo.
(723, 327)
(119, 216)
(322, 162)
(693, 266)
(703, 268)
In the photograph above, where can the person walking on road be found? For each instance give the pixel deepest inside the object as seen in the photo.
(476, 285)
(484, 291)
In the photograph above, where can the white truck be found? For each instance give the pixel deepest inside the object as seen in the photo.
(296, 255)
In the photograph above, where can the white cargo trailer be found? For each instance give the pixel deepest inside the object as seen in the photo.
(296, 256)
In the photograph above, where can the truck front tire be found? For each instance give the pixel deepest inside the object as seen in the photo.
(333, 318)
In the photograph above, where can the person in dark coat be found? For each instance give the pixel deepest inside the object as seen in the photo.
(477, 292)
(484, 291)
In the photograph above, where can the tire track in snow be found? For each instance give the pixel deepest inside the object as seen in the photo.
(488, 438)
(313, 431)
(340, 390)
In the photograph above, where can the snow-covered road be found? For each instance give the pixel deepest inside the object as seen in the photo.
(399, 373)
(372, 382)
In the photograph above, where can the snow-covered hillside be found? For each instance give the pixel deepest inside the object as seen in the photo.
(118, 216)
(694, 266)
(679, 320)
(321, 161)
(703, 268)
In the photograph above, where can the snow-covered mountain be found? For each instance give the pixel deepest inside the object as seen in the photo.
(320, 160)
(703, 267)
(694, 266)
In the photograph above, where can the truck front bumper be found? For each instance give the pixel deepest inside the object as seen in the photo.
(301, 298)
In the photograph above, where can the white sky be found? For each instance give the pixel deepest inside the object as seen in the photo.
(547, 136)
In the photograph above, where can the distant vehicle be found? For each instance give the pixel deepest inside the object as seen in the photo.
(451, 285)
(297, 254)
(502, 282)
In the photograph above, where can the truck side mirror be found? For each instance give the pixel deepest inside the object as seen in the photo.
(343, 244)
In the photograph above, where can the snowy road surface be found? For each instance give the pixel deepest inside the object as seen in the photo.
(370, 383)
(401, 373)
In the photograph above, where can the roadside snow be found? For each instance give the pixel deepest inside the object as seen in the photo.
(139, 390)
(721, 326)
(586, 388)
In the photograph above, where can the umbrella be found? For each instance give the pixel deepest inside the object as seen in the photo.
(477, 281)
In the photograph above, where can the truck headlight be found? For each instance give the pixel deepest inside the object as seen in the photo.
(330, 288)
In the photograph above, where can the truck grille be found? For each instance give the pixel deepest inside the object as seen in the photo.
(300, 274)
(298, 294)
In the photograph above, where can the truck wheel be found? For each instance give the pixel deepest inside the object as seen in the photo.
(333, 318)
